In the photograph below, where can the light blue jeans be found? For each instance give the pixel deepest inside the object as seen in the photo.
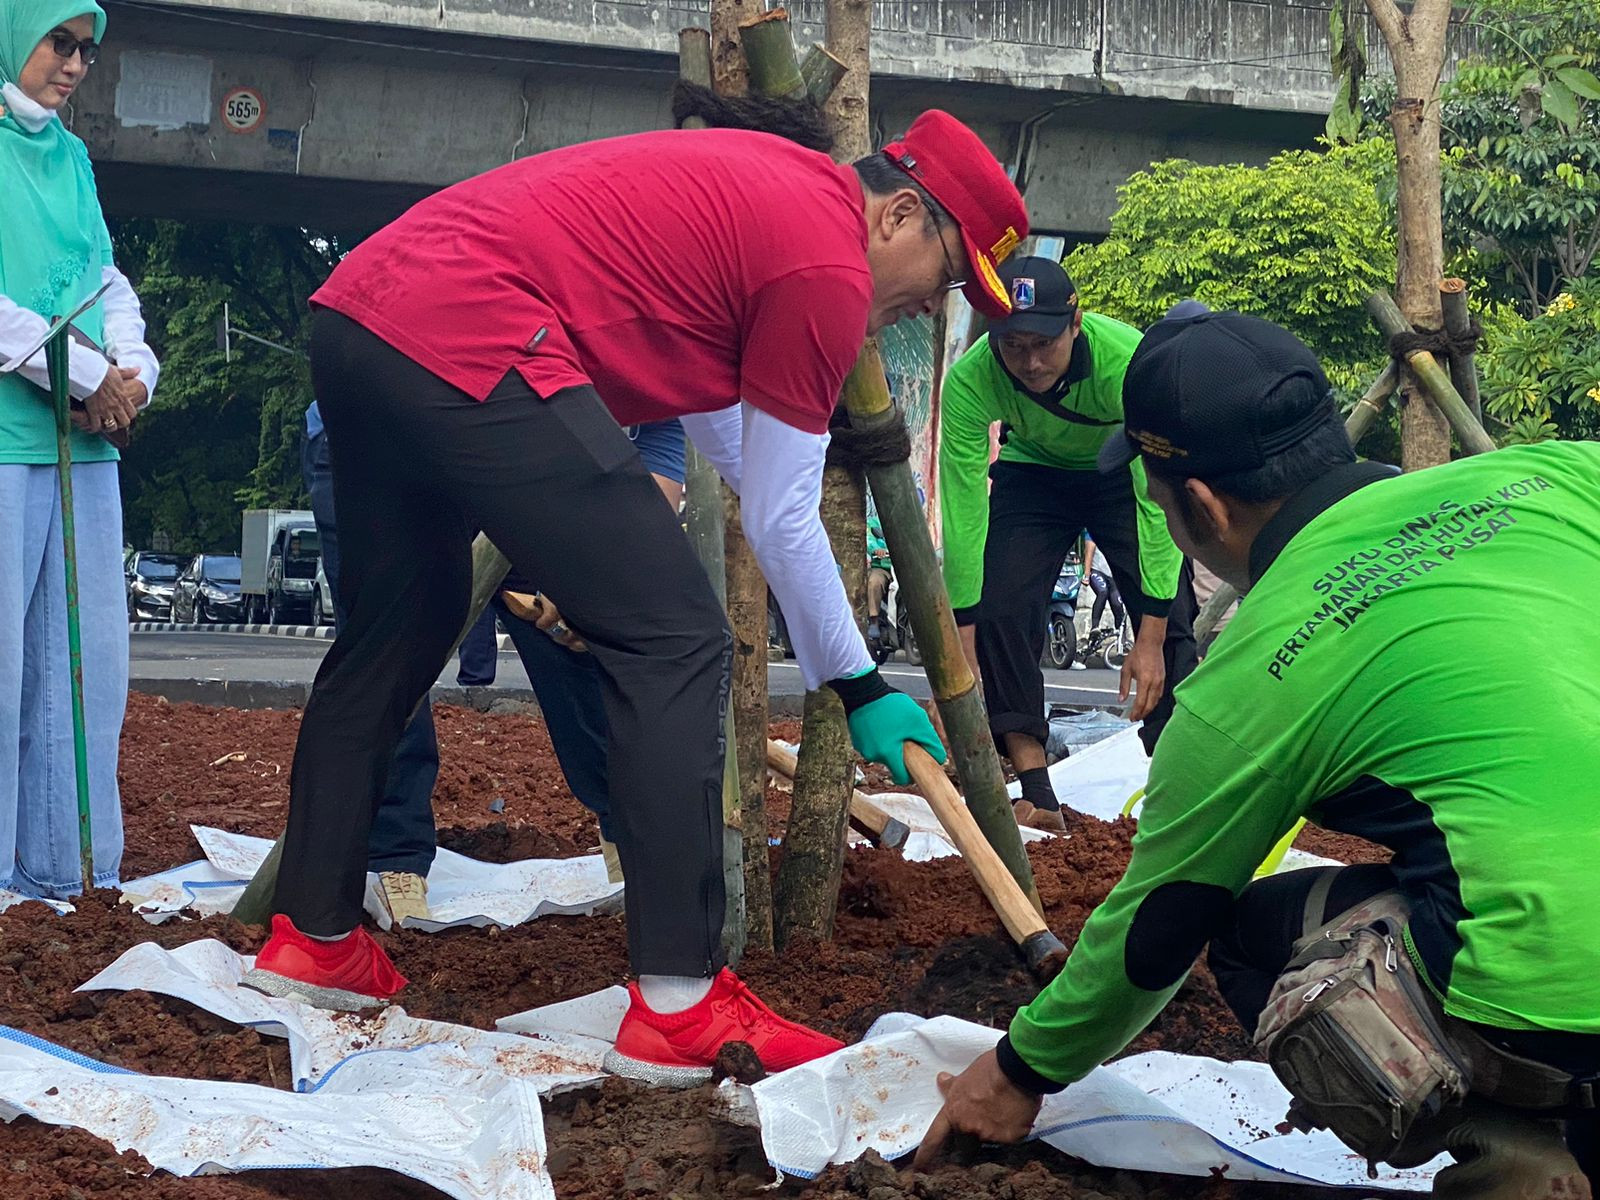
(39, 842)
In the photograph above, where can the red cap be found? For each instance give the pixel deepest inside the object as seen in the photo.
(958, 171)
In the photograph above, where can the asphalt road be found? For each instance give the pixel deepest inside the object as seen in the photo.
(244, 659)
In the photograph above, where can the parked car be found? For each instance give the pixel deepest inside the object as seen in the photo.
(322, 598)
(208, 591)
(150, 579)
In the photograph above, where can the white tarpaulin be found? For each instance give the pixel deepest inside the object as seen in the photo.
(206, 974)
(473, 1139)
(461, 891)
(927, 838)
(1155, 1112)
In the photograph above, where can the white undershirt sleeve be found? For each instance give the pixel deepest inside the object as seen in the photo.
(19, 327)
(124, 327)
(777, 471)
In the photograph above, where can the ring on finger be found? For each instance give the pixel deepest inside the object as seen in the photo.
(108, 422)
(559, 630)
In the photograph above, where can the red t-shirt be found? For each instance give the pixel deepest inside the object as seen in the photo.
(677, 272)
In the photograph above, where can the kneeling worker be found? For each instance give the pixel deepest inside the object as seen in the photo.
(1350, 689)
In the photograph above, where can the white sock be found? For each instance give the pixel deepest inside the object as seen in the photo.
(330, 937)
(673, 993)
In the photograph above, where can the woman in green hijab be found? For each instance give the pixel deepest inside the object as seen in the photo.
(55, 253)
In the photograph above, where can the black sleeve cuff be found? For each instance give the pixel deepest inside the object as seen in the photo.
(862, 690)
(1149, 606)
(1021, 1074)
(967, 616)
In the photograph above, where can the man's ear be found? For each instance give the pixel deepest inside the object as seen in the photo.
(901, 207)
(1209, 510)
(1077, 321)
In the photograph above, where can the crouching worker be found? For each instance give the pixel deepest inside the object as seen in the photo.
(1448, 1001)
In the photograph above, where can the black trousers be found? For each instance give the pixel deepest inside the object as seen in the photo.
(1036, 513)
(1268, 918)
(557, 486)
(403, 837)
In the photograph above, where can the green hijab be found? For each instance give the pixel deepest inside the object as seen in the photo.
(53, 238)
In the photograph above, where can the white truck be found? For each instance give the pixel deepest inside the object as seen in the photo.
(279, 555)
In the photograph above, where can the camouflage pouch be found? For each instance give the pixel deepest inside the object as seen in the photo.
(1355, 1035)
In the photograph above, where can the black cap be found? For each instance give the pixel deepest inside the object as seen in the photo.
(1194, 394)
(1043, 297)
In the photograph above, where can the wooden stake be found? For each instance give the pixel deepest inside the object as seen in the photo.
(1432, 377)
(1458, 323)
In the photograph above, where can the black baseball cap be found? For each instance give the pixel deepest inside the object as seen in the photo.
(1194, 395)
(1043, 298)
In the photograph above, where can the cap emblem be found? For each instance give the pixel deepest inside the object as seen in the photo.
(1022, 292)
(1002, 249)
(1155, 445)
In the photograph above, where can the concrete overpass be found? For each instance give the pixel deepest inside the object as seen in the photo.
(338, 113)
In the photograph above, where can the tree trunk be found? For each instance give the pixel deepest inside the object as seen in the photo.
(807, 890)
(1416, 41)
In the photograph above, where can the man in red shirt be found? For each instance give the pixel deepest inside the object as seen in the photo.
(472, 362)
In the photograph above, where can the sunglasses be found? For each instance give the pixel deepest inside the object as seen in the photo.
(66, 44)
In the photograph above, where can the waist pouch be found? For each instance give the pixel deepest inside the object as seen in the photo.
(1354, 1034)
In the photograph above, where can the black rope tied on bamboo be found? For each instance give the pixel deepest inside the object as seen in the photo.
(800, 119)
(1440, 343)
(856, 449)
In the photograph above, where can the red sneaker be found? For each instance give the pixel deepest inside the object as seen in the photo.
(678, 1049)
(350, 974)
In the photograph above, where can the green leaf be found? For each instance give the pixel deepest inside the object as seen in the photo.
(1580, 81)
(1558, 101)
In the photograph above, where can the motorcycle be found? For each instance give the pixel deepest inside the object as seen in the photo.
(891, 630)
(1061, 629)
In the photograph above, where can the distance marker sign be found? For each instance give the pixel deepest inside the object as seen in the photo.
(242, 110)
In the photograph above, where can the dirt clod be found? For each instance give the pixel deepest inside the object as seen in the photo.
(739, 1062)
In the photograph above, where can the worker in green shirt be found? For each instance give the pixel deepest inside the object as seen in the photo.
(880, 573)
(1051, 375)
(1356, 687)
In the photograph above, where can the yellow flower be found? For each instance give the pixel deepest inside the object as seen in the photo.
(1594, 393)
(1562, 303)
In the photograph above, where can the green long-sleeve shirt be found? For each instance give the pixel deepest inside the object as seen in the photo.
(1390, 675)
(977, 392)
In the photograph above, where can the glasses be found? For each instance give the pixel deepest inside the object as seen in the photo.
(955, 284)
(66, 44)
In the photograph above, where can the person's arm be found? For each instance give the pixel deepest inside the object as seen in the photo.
(777, 471)
(1209, 819)
(124, 330)
(20, 327)
(964, 420)
(1160, 560)
(1211, 815)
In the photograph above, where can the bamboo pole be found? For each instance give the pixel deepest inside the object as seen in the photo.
(1458, 323)
(806, 892)
(1433, 377)
(822, 72)
(56, 352)
(745, 885)
(866, 394)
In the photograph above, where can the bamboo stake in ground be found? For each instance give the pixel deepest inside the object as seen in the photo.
(806, 893)
(56, 352)
(866, 392)
(1458, 324)
(745, 880)
(1433, 378)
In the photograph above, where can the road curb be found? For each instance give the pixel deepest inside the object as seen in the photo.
(323, 632)
(267, 693)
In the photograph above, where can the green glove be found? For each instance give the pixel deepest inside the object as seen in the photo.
(883, 720)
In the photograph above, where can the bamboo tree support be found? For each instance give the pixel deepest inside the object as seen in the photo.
(56, 352)
(822, 73)
(1433, 377)
(1458, 324)
(866, 393)
(489, 571)
(747, 915)
(805, 895)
